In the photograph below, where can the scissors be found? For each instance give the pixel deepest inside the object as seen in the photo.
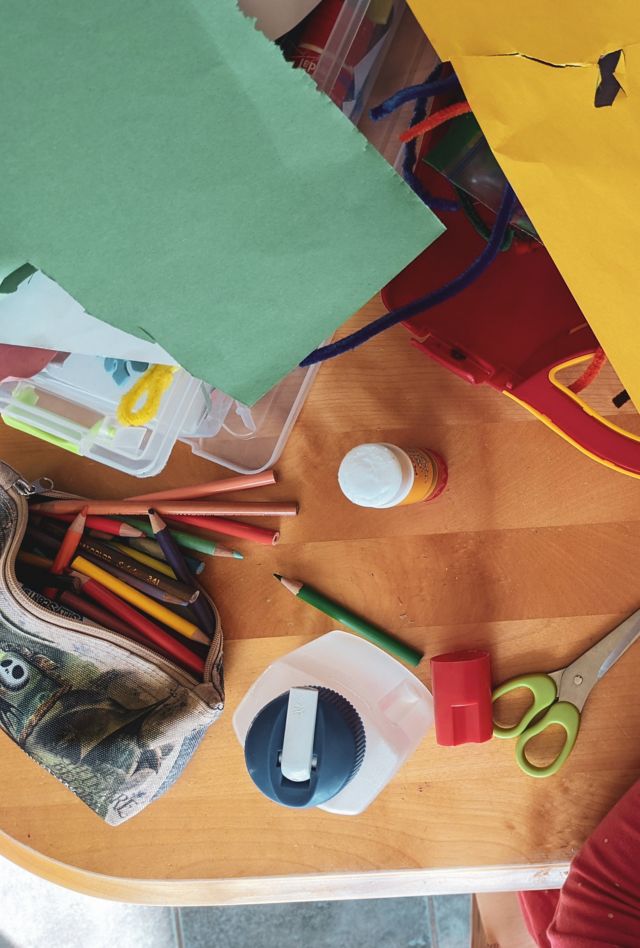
(562, 694)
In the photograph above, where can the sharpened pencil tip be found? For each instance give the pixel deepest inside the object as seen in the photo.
(156, 521)
(237, 556)
(278, 577)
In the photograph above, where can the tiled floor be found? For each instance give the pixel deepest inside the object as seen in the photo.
(36, 914)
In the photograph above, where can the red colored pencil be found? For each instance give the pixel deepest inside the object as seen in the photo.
(115, 528)
(152, 632)
(89, 609)
(67, 549)
(231, 528)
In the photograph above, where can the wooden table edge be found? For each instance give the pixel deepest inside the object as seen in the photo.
(296, 888)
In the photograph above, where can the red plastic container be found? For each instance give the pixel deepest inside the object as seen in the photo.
(461, 686)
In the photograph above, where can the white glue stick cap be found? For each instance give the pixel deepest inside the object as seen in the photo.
(376, 475)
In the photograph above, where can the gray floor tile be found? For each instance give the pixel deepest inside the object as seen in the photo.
(453, 920)
(387, 923)
(38, 914)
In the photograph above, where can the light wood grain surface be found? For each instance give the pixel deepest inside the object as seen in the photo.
(532, 552)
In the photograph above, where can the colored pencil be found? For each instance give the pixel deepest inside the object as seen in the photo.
(241, 482)
(160, 566)
(180, 593)
(32, 560)
(231, 528)
(103, 595)
(135, 598)
(42, 539)
(188, 540)
(345, 617)
(91, 611)
(68, 547)
(152, 548)
(196, 508)
(201, 609)
(147, 588)
(106, 525)
(39, 579)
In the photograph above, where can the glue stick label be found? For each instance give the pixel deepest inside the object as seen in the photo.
(430, 476)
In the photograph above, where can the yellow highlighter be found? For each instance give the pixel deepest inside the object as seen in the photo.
(138, 599)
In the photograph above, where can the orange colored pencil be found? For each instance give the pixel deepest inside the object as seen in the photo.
(195, 508)
(231, 528)
(225, 484)
(68, 547)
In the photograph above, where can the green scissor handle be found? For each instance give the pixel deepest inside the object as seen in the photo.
(568, 717)
(544, 693)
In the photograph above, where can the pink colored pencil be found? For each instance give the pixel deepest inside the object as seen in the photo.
(241, 482)
(230, 528)
(112, 528)
(194, 508)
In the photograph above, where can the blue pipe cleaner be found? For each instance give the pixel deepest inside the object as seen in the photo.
(410, 156)
(446, 292)
(422, 90)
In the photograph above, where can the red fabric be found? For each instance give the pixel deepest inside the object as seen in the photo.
(599, 904)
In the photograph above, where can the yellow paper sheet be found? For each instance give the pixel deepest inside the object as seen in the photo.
(530, 72)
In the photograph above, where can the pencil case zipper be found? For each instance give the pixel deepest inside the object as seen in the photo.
(23, 489)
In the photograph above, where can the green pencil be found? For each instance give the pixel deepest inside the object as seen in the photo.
(370, 632)
(188, 540)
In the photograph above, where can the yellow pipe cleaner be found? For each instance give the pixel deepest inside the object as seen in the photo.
(150, 387)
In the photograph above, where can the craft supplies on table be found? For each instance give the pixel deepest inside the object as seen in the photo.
(384, 475)
(377, 710)
(534, 83)
(514, 329)
(559, 697)
(152, 595)
(201, 233)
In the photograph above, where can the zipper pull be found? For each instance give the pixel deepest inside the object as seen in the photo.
(29, 489)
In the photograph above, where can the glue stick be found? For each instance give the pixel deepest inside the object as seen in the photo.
(384, 475)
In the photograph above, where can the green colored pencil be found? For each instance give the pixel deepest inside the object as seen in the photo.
(370, 632)
(188, 540)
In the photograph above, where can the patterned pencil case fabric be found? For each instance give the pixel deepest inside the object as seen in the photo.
(112, 720)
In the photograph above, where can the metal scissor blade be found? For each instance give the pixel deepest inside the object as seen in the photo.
(579, 678)
(624, 637)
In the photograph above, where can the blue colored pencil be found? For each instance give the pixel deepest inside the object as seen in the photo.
(201, 609)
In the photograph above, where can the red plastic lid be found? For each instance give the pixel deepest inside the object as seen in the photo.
(461, 685)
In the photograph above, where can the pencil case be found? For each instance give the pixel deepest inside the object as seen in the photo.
(115, 722)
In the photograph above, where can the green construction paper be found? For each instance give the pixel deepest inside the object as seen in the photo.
(169, 170)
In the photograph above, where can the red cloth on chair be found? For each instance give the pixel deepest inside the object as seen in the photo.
(599, 904)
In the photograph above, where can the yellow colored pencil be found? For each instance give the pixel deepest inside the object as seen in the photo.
(138, 599)
(159, 565)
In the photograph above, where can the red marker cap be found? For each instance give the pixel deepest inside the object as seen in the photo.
(461, 685)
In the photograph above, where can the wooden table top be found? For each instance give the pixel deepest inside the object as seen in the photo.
(532, 552)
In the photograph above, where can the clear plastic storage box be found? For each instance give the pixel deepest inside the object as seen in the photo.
(72, 403)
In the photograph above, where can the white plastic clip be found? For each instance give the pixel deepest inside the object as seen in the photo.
(299, 731)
